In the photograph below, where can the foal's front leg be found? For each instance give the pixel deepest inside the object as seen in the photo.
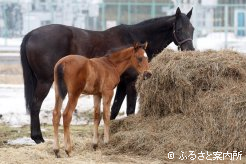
(67, 117)
(97, 118)
(107, 97)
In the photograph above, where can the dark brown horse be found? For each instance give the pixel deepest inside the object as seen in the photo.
(75, 75)
(44, 46)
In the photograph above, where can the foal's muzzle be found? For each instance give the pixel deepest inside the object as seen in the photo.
(146, 75)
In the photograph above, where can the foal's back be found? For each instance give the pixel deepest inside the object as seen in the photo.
(89, 75)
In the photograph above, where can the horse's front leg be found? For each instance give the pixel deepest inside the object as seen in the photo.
(131, 98)
(118, 99)
(97, 118)
(67, 117)
(107, 97)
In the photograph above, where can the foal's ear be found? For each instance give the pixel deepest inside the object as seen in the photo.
(136, 45)
(178, 12)
(189, 13)
(145, 45)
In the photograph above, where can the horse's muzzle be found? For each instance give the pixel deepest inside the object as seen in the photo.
(146, 75)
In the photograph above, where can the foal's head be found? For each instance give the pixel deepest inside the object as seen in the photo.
(139, 60)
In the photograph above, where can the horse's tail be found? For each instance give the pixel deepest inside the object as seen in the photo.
(59, 79)
(30, 81)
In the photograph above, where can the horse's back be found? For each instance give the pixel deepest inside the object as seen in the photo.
(49, 39)
(46, 45)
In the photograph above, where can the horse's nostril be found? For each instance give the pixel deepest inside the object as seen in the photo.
(146, 75)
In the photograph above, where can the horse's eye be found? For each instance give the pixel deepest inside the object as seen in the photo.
(140, 59)
(179, 30)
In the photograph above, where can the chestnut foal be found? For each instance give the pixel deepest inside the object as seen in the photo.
(77, 75)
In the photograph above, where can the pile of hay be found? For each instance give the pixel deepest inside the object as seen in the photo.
(194, 101)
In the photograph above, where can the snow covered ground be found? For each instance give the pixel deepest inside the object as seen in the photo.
(13, 110)
(12, 103)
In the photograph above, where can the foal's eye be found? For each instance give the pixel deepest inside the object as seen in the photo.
(140, 59)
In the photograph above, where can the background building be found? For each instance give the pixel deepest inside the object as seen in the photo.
(17, 17)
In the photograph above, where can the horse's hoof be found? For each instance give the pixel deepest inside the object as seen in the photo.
(38, 139)
(68, 153)
(57, 153)
(94, 146)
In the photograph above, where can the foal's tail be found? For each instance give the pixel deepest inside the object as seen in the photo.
(59, 80)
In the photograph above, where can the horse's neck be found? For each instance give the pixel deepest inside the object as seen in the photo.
(157, 32)
(121, 60)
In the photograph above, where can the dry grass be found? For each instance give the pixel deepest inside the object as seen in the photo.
(194, 101)
(43, 153)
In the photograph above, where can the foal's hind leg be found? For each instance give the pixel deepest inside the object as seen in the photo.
(56, 121)
(97, 118)
(67, 117)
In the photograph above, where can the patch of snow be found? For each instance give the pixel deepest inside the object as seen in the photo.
(21, 141)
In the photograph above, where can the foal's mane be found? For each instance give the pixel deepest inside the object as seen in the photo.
(118, 49)
(114, 55)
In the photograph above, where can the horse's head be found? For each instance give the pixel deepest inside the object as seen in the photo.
(140, 60)
(183, 30)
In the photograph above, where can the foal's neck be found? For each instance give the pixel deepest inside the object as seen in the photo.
(121, 60)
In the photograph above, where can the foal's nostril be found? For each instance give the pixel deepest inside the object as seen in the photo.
(146, 75)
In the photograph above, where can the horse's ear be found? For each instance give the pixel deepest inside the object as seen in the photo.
(178, 12)
(189, 13)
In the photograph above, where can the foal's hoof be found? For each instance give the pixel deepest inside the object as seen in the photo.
(37, 138)
(56, 151)
(94, 146)
(68, 153)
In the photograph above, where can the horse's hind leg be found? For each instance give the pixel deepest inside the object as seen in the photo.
(67, 118)
(56, 121)
(97, 118)
(41, 92)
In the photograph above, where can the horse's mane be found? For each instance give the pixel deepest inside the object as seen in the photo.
(150, 22)
(146, 23)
